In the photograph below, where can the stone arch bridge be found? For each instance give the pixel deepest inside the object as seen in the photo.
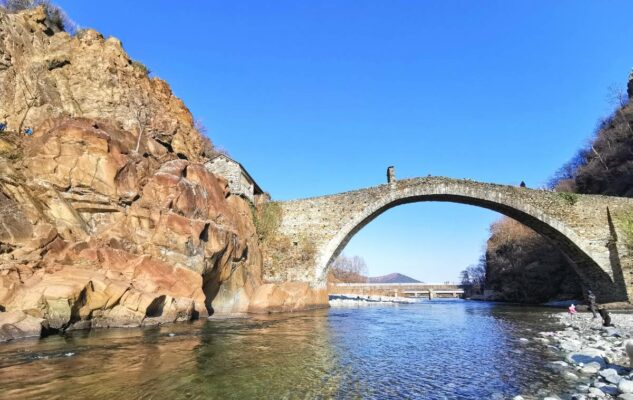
(590, 230)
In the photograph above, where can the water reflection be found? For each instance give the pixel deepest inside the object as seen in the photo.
(454, 350)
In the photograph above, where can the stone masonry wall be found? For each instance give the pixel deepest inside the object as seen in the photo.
(591, 230)
(232, 172)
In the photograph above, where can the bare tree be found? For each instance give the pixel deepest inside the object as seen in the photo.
(349, 269)
(143, 112)
(474, 276)
(617, 96)
(31, 95)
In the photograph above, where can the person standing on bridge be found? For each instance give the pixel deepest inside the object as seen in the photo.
(591, 299)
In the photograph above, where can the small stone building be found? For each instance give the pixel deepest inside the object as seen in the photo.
(240, 181)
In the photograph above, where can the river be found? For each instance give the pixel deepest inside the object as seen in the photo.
(449, 349)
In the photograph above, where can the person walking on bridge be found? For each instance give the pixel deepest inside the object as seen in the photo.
(591, 299)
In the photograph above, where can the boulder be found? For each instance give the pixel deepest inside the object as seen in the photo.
(16, 325)
(625, 386)
(287, 296)
(612, 331)
(117, 317)
(610, 375)
(590, 368)
(610, 389)
(57, 313)
(585, 356)
(558, 366)
(570, 376)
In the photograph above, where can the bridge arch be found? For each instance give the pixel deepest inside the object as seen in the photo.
(580, 226)
(564, 237)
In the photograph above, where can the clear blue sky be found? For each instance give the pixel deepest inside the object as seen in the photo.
(317, 97)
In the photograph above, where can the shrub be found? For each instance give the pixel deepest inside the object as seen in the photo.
(307, 249)
(625, 222)
(569, 198)
(142, 67)
(267, 218)
(55, 15)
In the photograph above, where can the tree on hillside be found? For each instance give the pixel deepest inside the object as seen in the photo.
(523, 266)
(29, 83)
(349, 269)
(605, 164)
(474, 277)
(144, 114)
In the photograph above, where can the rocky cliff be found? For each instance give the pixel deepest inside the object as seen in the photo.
(47, 74)
(108, 216)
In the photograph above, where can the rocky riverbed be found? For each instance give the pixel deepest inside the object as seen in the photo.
(592, 357)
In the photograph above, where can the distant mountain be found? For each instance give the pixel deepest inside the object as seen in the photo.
(392, 278)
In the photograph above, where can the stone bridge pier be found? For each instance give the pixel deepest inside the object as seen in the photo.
(594, 232)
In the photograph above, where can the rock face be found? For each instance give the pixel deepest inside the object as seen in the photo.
(112, 220)
(45, 75)
(93, 231)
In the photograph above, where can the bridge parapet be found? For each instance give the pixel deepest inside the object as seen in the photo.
(397, 289)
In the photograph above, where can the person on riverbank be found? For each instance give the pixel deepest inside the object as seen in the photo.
(591, 299)
(606, 318)
(572, 310)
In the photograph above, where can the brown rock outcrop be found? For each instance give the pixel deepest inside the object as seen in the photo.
(45, 74)
(107, 215)
(96, 234)
(16, 324)
(287, 296)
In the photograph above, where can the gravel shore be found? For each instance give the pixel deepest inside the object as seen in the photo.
(592, 357)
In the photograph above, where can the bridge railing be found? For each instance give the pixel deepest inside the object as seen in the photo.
(395, 284)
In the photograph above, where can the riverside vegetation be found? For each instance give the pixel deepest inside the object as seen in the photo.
(522, 266)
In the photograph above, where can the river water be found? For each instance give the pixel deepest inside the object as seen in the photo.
(448, 349)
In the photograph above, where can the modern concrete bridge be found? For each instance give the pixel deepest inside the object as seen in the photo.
(428, 290)
(591, 230)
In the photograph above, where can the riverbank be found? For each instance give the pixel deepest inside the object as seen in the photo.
(592, 357)
(613, 306)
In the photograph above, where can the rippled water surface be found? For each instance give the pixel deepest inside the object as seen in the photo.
(432, 350)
